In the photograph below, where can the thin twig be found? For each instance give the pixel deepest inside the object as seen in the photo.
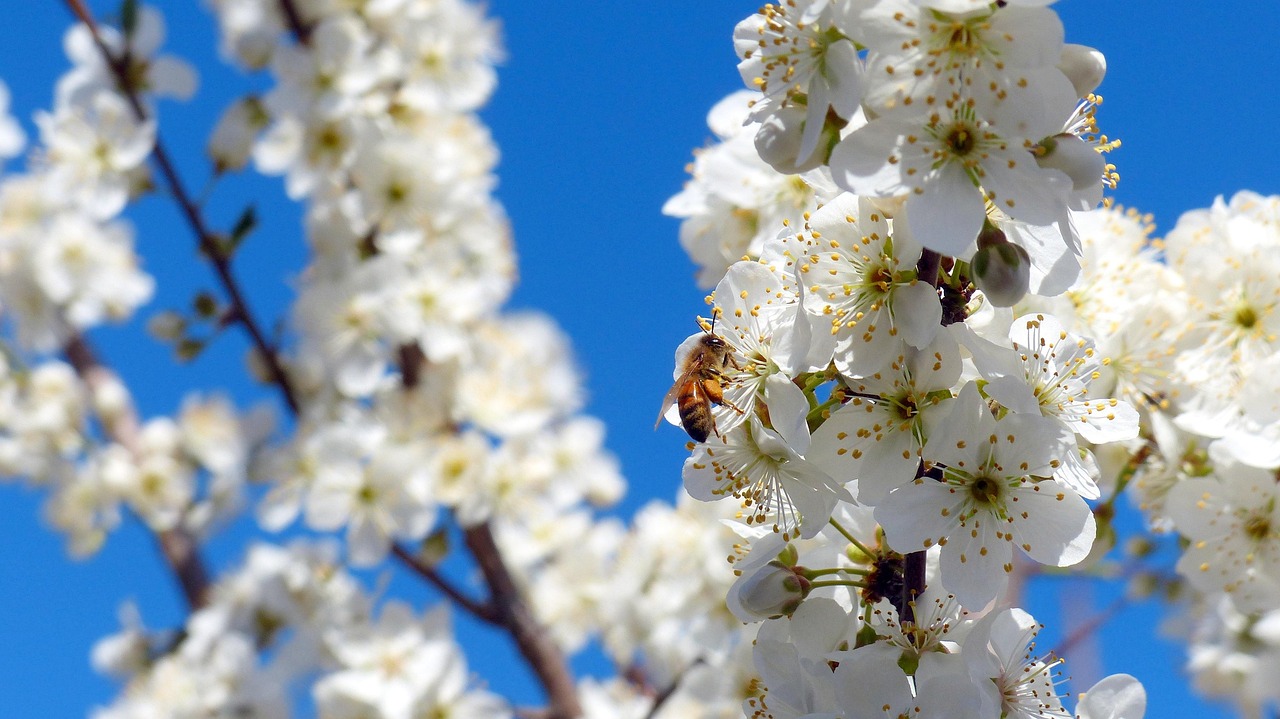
(661, 697)
(179, 548)
(1090, 625)
(532, 639)
(208, 243)
(482, 611)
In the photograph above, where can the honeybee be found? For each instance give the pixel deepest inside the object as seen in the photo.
(698, 386)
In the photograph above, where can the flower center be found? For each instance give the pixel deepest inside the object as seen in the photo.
(1257, 527)
(961, 140)
(881, 278)
(906, 407)
(962, 40)
(1245, 316)
(985, 490)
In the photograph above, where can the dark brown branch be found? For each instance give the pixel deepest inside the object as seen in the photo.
(532, 639)
(913, 580)
(482, 611)
(208, 243)
(411, 362)
(927, 266)
(181, 552)
(300, 29)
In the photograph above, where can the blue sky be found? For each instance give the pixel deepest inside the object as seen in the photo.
(598, 108)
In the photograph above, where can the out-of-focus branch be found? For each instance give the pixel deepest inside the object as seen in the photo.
(668, 691)
(506, 607)
(1086, 628)
(180, 549)
(208, 243)
(300, 29)
(531, 638)
(482, 611)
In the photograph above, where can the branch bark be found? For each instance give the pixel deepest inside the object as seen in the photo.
(180, 549)
(537, 647)
(293, 18)
(913, 580)
(485, 612)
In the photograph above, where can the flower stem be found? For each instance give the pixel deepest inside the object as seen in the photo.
(838, 583)
(849, 536)
(815, 573)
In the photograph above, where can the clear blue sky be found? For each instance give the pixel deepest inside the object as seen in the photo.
(598, 108)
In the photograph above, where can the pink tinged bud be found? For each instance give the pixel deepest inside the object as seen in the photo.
(778, 142)
(774, 590)
(1002, 271)
(1084, 67)
(1075, 158)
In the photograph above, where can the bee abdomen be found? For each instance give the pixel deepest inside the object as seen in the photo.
(695, 416)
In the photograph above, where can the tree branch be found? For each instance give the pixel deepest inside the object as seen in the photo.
(206, 239)
(913, 580)
(1090, 625)
(506, 605)
(668, 691)
(485, 612)
(179, 548)
(530, 637)
(293, 19)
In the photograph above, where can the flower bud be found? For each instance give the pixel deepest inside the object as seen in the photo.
(233, 137)
(1001, 269)
(770, 591)
(778, 141)
(167, 326)
(1084, 67)
(111, 399)
(1075, 158)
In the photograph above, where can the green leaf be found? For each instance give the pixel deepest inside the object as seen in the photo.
(189, 348)
(246, 224)
(205, 305)
(129, 17)
(434, 548)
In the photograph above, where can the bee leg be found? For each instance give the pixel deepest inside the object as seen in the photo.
(715, 392)
(716, 429)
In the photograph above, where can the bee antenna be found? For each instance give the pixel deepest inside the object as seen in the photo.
(714, 315)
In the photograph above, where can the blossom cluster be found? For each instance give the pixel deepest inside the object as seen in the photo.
(421, 407)
(927, 353)
(301, 604)
(906, 409)
(1196, 343)
(68, 265)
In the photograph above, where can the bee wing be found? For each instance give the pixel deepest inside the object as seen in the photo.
(672, 395)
